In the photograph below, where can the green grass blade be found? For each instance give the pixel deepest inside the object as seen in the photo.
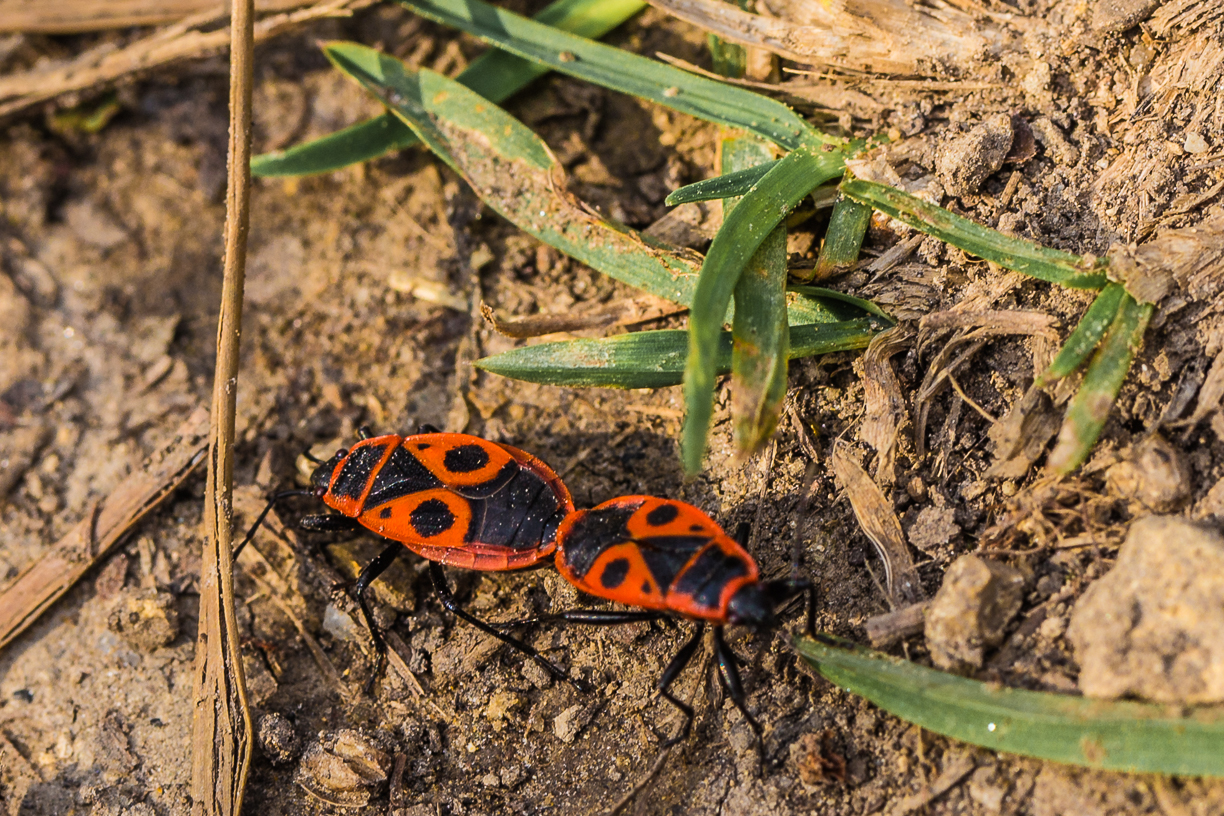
(844, 238)
(1088, 333)
(729, 59)
(512, 171)
(746, 226)
(1013, 253)
(758, 332)
(654, 359)
(628, 73)
(1102, 381)
(495, 75)
(1116, 736)
(819, 293)
(724, 186)
(360, 142)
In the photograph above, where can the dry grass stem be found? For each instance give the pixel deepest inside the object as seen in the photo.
(76, 16)
(221, 719)
(880, 36)
(57, 571)
(102, 67)
(885, 630)
(627, 312)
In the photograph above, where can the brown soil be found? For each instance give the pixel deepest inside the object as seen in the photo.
(111, 246)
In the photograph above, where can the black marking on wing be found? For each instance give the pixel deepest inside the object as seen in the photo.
(495, 484)
(614, 573)
(402, 475)
(705, 579)
(665, 556)
(431, 518)
(661, 515)
(465, 458)
(521, 515)
(351, 482)
(592, 533)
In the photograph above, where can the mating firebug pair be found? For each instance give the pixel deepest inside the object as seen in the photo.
(461, 501)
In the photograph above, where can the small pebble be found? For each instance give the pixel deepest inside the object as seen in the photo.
(344, 768)
(278, 739)
(964, 163)
(570, 722)
(145, 618)
(969, 613)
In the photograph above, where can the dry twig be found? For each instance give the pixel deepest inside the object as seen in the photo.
(880, 36)
(221, 721)
(104, 66)
(89, 542)
(76, 16)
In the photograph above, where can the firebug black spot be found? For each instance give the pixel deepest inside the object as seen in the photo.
(431, 518)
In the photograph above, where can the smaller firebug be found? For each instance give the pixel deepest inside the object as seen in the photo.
(670, 558)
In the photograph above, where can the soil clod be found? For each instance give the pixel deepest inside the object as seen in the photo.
(973, 606)
(1151, 626)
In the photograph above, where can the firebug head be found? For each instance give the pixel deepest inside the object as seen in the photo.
(751, 606)
(321, 479)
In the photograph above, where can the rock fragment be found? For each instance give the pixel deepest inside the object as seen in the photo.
(964, 163)
(570, 722)
(146, 618)
(278, 739)
(1151, 626)
(977, 599)
(344, 769)
(1155, 477)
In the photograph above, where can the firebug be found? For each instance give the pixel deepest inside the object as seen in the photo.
(454, 499)
(670, 558)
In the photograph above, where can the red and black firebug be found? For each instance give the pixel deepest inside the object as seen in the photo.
(454, 499)
(670, 558)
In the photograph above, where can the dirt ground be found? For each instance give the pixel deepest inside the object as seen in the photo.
(356, 314)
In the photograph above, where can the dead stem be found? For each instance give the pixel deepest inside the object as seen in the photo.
(53, 574)
(190, 39)
(77, 16)
(221, 719)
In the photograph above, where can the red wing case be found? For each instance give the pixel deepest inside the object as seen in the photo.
(654, 553)
(453, 498)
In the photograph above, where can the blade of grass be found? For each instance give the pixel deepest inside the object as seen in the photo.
(625, 72)
(724, 186)
(495, 75)
(1088, 333)
(655, 359)
(821, 293)
(1117, 736)
(758, 332)
(357, 143)
(1024, 256)
(746, 226)
(729, 59)
(847, 226)
(1102, 381)
(513, 172)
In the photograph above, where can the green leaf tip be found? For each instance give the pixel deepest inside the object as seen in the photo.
(743, 230)
(1109, 735)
